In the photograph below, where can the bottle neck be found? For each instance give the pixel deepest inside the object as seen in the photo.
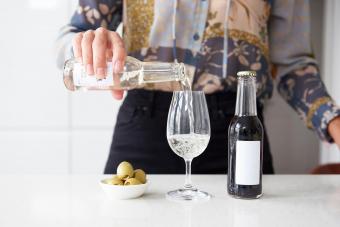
(246, 97)
(162, 72)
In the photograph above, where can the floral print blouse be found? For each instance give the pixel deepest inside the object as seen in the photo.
(271, 37)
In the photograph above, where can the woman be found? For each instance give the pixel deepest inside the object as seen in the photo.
(270, 37)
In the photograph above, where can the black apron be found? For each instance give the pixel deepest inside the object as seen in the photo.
(140, 135)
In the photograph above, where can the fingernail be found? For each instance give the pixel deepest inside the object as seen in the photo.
(101, 72)
(118, 67)
(89, 69)
(80, 60)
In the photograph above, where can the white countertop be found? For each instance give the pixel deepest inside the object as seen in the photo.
(78, 200)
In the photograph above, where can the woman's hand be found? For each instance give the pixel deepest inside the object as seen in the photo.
(334, 130)
(93, 48)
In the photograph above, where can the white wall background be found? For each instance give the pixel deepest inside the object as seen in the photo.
(44, 129)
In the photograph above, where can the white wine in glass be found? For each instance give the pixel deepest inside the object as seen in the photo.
(188, 134)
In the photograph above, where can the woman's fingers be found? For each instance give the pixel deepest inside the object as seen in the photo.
(93, 48)
(76, 43)
(117, 94)
(119, 52)
(86, 46)
(118, 61)
(99, 48)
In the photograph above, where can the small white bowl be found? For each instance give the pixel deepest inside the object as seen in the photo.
(118, 192)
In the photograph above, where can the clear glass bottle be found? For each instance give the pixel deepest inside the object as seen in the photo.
(245, 142)
(134, 75)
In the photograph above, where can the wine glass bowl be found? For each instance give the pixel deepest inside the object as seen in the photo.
(188, 134)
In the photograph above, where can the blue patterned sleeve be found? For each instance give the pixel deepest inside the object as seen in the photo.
(89, 14)
(297, 74)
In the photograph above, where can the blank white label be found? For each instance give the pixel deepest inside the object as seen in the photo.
(248, 156)
(81, 79)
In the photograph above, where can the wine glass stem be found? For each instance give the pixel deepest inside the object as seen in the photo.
(188, 184)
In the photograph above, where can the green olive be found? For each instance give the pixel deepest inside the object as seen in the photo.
(132, 181)
(124, 170)
(140, 175)
(114, 181)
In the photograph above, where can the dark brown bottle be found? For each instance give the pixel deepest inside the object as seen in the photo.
(245, 142)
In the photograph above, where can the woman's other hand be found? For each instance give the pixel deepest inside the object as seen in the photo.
(334, 130)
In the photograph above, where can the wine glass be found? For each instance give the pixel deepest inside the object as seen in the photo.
(188, 134)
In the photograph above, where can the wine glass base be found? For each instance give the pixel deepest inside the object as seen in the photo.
(191, 194)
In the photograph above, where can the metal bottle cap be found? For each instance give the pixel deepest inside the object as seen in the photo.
(246, 74)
